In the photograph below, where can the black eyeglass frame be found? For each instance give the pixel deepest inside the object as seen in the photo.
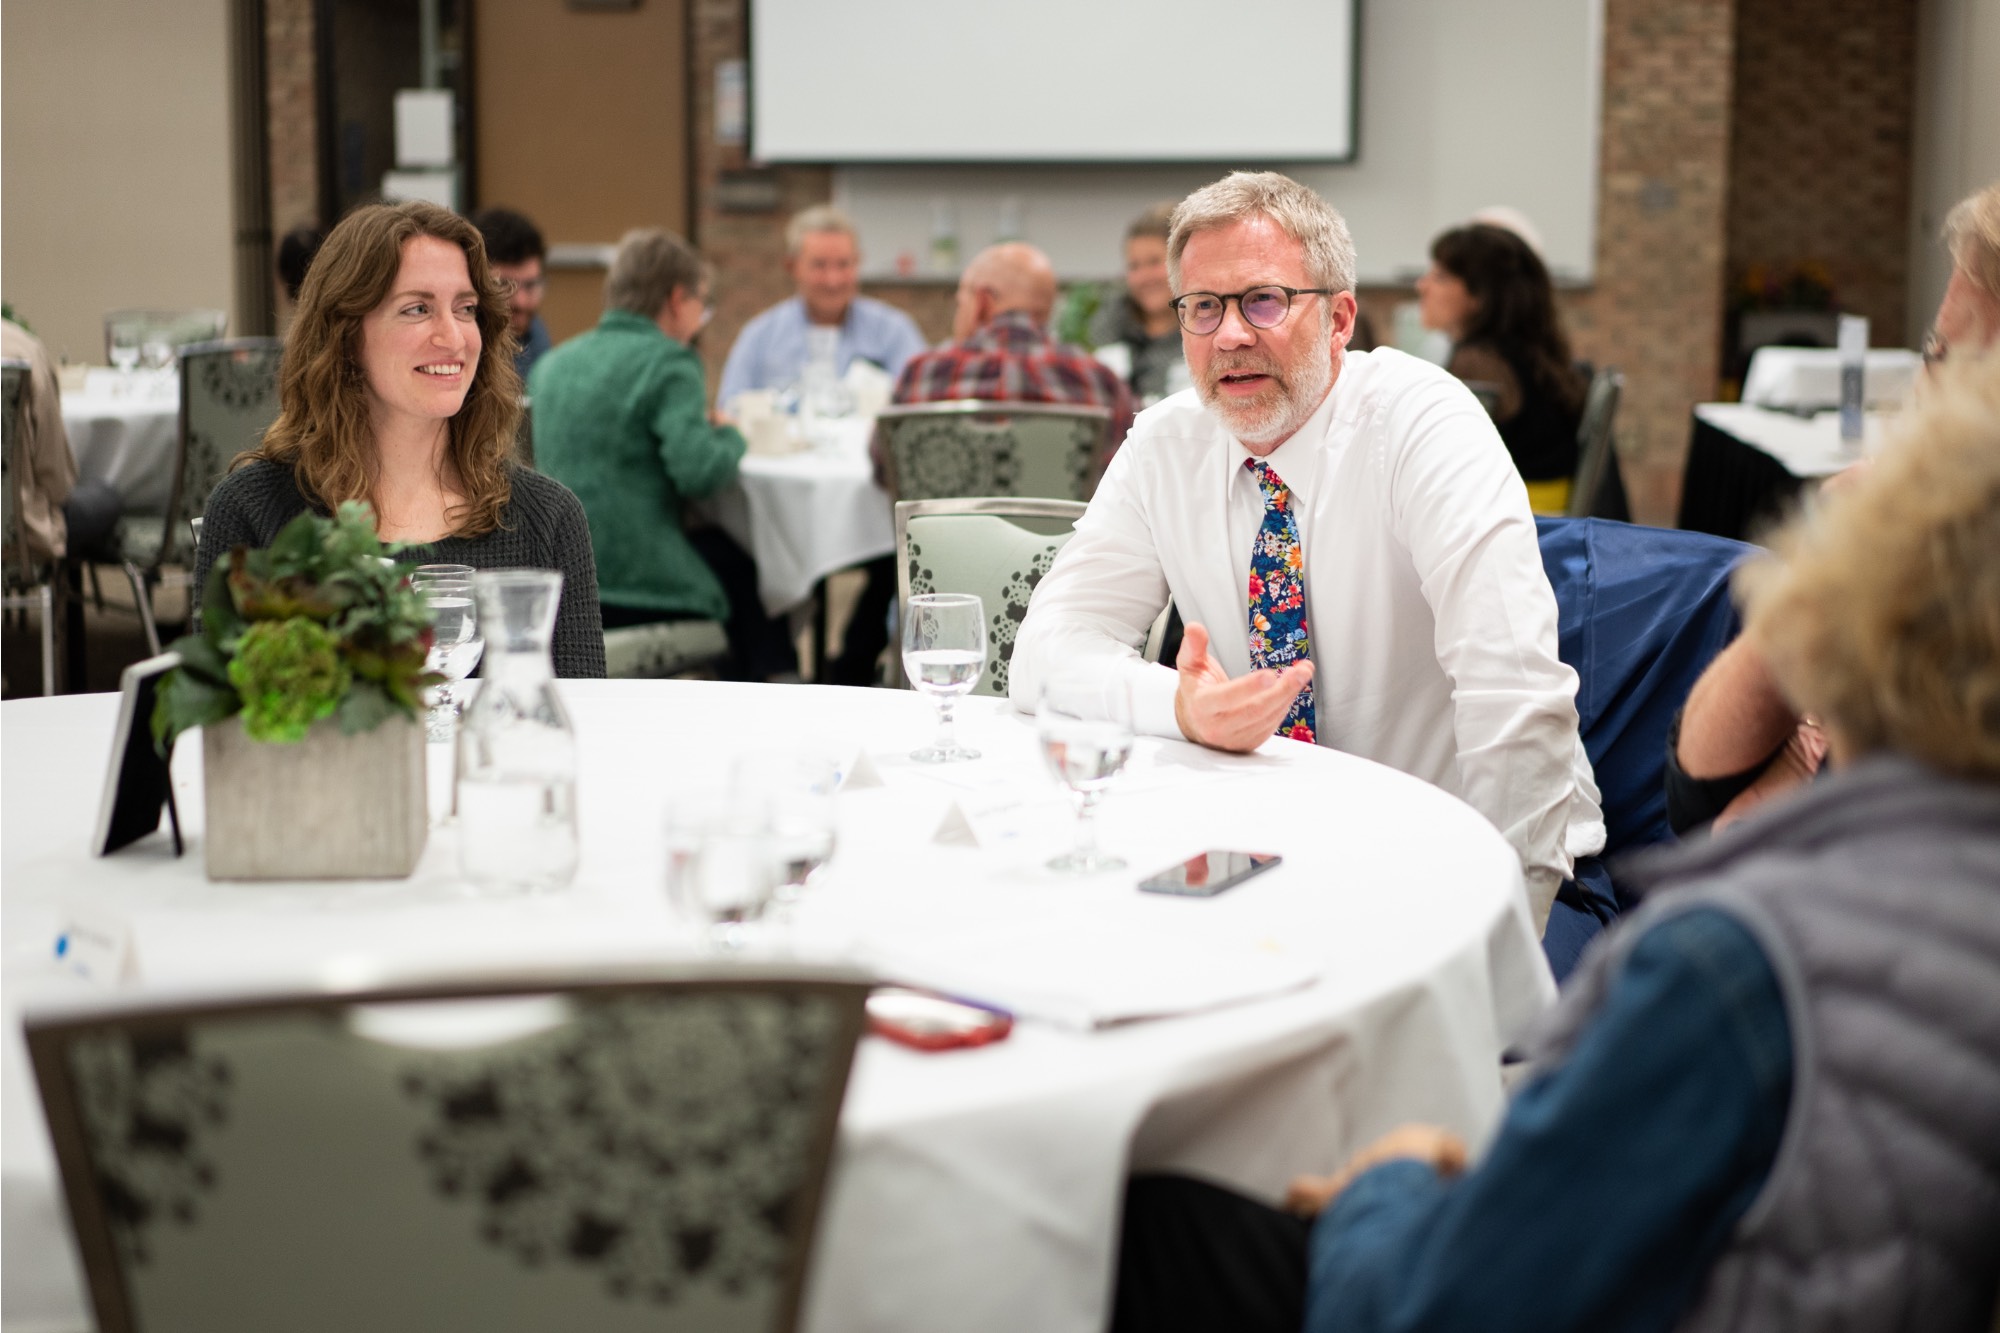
(1291, 294)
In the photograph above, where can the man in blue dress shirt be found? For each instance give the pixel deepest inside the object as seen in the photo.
(516, 253)
(823, 255)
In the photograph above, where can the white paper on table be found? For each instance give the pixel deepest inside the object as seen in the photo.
(96, 945)
(1078, 980)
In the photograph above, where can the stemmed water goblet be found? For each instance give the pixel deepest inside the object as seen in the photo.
(456, 645)
(944, 652)
(1085, 725)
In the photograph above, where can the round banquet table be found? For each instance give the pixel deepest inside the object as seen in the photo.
(1373, 978)
(809, 514)
(122, 430)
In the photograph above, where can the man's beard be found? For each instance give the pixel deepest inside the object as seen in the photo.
(1286, 402)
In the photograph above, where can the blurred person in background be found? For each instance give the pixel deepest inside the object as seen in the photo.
(396, 388)
(59, 515)
(823, 257)
(1739, 742)
(621, 417)
(1140, 319)
(1489, 292)
(1770, 1099)
(295, 255)
(514, 248)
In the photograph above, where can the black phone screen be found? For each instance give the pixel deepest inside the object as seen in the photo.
(1206, 874)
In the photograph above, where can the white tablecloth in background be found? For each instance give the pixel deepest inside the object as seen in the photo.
(810, 514)
(125, 434)
(1807, 447)
(973, 1190)
(1808, 378)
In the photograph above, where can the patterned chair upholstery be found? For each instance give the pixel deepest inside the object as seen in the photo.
(973, 448)
(668, 648)
(982, 546)
(229, 397)
(615, 1153)
(29, 585)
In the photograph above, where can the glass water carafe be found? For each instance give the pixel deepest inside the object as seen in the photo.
(516, 752)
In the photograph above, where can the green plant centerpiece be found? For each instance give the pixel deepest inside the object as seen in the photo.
(318, 642)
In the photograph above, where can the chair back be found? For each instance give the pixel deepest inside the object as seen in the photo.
(229, 398)
(1641, 612)
(612, 1154)
(972, 447)
(1593, 439)
(983, 546)
(13, 547)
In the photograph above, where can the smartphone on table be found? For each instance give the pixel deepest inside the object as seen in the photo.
(1206, 874)
(933, 1022)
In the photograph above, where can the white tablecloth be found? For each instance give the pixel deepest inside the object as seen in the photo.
(1808, 378)
(973, 1190)
(1807, 447)
(810, 514)
(122, 431)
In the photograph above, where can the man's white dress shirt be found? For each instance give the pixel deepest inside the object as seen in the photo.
(1433, 624)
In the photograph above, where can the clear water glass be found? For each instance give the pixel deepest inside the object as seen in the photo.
(797, 793)
(516, 782)
(1085, 726)
(456, 645)
(722, 866)
(944, 654)
(124, 352)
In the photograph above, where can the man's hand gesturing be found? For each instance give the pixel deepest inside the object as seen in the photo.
(1226, 714)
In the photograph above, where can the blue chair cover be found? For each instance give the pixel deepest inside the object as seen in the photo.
(1641, 613)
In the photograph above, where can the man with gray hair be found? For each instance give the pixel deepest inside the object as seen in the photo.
(1348, 542)
(823, 256)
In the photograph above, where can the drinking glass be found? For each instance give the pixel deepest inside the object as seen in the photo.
(797, 792)
(722, 866)
(456, 645)
(944, 650)
(124, 351)
(1085, 727)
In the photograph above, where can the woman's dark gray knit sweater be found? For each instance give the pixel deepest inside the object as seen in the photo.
(542, 527)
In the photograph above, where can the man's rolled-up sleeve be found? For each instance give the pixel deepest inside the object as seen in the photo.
(1462, 511)
(1091, 612)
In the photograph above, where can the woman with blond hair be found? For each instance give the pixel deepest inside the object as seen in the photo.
(1770, 1099)
(398, 388)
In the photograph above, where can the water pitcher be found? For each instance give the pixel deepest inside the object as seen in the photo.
(516, 752)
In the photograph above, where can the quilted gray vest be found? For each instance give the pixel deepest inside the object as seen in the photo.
(1876, 897)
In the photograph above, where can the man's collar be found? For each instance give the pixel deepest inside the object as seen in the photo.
(1009, 331)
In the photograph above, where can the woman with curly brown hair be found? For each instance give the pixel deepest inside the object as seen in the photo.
(398, 388)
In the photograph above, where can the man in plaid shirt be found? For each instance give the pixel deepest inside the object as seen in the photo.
(1002, 350)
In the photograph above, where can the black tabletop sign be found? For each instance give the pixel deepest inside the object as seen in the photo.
(138, 783)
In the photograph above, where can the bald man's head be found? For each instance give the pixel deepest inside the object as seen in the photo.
(1001, 279)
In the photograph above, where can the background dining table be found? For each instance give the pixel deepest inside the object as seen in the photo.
(122, 430)
(1374, 977)
(1745, 463)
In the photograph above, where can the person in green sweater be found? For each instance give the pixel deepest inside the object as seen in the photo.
(622, 419)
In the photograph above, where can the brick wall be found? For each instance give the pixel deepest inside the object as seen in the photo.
(1820, 152)
(293, 129)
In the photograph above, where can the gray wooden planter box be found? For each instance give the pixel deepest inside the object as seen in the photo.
(327, 807)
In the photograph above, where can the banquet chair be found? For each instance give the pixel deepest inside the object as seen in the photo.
(229, 397)
(664, 648)
(29, 585)
(1596, 457)
(1640, 613)
(975, 447)
(614, 1152)
(997, 547)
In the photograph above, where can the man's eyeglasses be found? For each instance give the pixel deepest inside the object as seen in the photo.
(1935, 347)
(1263, 307)
(527, 288)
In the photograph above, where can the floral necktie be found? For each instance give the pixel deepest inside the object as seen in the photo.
(1278, 634)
